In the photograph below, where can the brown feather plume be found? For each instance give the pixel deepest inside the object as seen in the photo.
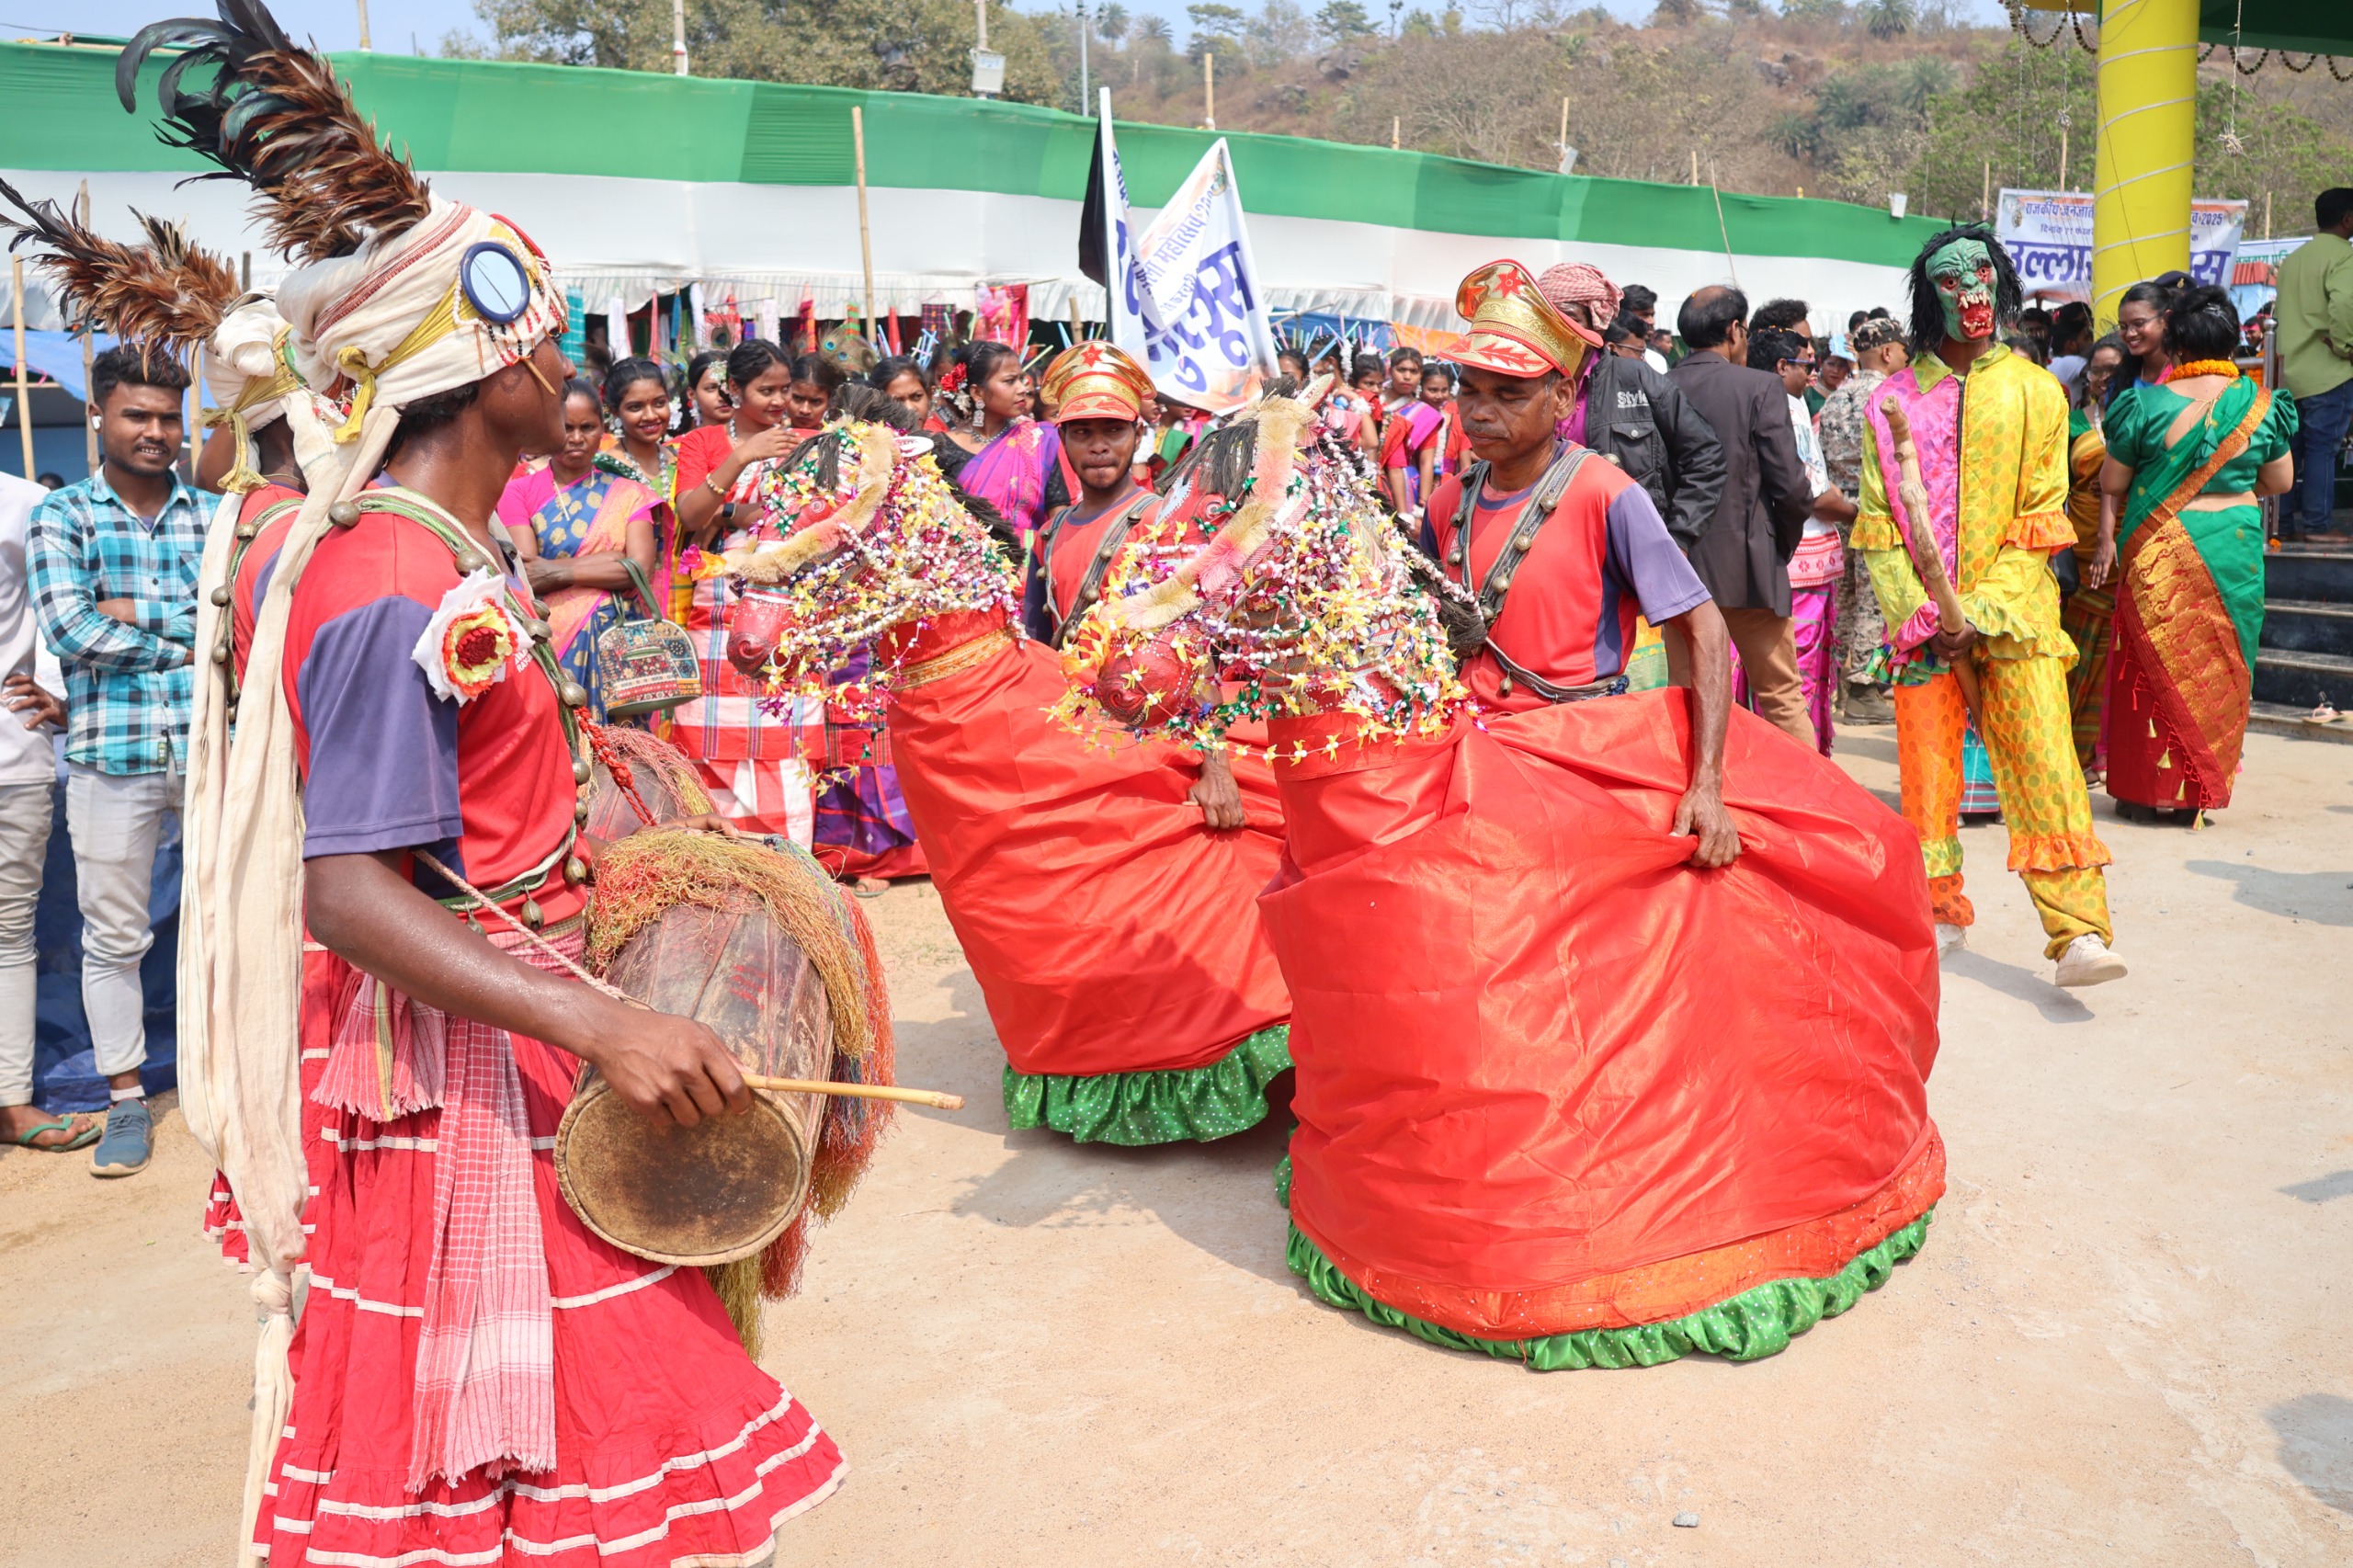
(274, 114)
(168, 293)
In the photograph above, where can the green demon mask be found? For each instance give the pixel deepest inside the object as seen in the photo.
(1963, 274)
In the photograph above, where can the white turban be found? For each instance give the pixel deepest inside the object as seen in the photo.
(392, 322)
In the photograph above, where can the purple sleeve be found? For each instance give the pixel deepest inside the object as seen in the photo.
(1642, 558)
(383, 748)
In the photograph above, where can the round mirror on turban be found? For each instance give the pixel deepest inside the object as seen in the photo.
(494, 283)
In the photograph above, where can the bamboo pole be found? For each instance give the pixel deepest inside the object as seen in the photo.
(933, 1098)
(89, 431)
(1396, 127)
(24, 391)
(1730, 265)
(1209, 91)
(865, 236)
(1985, 202)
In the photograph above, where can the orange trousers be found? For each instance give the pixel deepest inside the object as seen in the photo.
(2030, 739)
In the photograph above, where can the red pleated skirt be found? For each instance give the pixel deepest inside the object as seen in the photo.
(672, 1447)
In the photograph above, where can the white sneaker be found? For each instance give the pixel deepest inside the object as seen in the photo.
(1950, 936)
(2087, 961)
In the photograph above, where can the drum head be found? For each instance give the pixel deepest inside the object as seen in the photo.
(712, 1193)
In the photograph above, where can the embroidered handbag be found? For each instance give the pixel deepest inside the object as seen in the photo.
(648, 665)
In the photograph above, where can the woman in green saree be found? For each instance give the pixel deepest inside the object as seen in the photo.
(2180, 530)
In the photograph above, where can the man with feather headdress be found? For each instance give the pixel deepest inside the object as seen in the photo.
(477, 1378)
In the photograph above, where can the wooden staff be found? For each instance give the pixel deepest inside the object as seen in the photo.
(933, 1098)
(1920, 540)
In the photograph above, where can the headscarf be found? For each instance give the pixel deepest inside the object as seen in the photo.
(1096, 381)
(1574, 283)
(1515, 331)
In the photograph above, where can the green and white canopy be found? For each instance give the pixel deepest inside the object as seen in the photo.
(634, 182)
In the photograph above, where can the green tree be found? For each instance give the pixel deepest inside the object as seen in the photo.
(1215, 27)
(1888, 18)
(1111, 22)
(2008, 118)
(921, 46)
(1342, 20)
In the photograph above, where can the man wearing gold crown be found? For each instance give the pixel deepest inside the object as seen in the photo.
(468, 1382)
(1561, 549)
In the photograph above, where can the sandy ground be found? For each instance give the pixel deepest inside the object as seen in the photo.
(2123, 1344)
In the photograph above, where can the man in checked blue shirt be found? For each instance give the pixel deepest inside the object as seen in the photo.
(113, 563)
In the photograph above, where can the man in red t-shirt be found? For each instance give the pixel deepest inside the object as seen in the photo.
(1563, 549)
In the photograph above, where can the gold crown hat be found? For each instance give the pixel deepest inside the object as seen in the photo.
(1515, 331)
(1096, 381)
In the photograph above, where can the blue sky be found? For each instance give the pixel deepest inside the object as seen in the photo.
(392, 23)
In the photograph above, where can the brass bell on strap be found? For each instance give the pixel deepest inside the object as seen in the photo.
(221, 595)
(540, 630)
(575, 869)
(532, 914)
(574, 694)
(1505, 688)
(1503, 584)
(1526, 541)
(470, 562)
(247, 530)
(220, 653)
(343, 514)
(580, 771)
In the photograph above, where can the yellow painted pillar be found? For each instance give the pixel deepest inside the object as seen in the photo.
(2148, 115)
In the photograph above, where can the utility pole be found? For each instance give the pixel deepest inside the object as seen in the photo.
(363, 23)
(1209, 91)
(679, 37)
(1084, 27)
(988, 65)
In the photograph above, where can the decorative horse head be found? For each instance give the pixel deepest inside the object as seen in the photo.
(1303, 600)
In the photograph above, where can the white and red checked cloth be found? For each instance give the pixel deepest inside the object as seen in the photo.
(485, 1352)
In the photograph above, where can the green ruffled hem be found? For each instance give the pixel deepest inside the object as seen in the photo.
(1755, 1323)
(1178, 1105)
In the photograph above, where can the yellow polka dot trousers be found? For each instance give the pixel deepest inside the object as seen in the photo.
(2030, 739)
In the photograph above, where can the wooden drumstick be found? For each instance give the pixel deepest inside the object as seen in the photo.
(933, 1098)
(1920, 541)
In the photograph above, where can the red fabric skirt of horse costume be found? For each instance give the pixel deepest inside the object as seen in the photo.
(1553, 1079)
(1110, 931)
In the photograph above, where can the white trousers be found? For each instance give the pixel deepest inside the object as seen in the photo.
(116, 820)
(26, 811)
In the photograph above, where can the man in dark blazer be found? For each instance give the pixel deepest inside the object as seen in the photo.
(1743, 555)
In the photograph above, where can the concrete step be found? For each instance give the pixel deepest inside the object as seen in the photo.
(2277, 719)
(2307, 626)
(2300, 680)
(2313, 572)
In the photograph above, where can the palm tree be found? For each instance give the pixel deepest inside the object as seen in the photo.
(1889, 19)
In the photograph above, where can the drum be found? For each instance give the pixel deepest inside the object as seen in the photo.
(728, 1187)
(664, 779)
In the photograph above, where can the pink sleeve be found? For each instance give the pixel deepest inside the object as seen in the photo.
(523, 496)
(1917, 630)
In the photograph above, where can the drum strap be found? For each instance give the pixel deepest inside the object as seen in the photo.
(1090, 586)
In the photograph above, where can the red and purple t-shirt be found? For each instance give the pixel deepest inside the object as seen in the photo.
(485, 787)
(1569, 616)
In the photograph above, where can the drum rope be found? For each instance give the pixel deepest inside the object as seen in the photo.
(615, 991)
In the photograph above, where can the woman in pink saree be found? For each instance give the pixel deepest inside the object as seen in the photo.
(576, 528)
(1015, 462)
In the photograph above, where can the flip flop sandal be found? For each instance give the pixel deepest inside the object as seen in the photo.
(82, 1139)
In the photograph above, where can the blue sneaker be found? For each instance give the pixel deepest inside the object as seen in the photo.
(130, 1140)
